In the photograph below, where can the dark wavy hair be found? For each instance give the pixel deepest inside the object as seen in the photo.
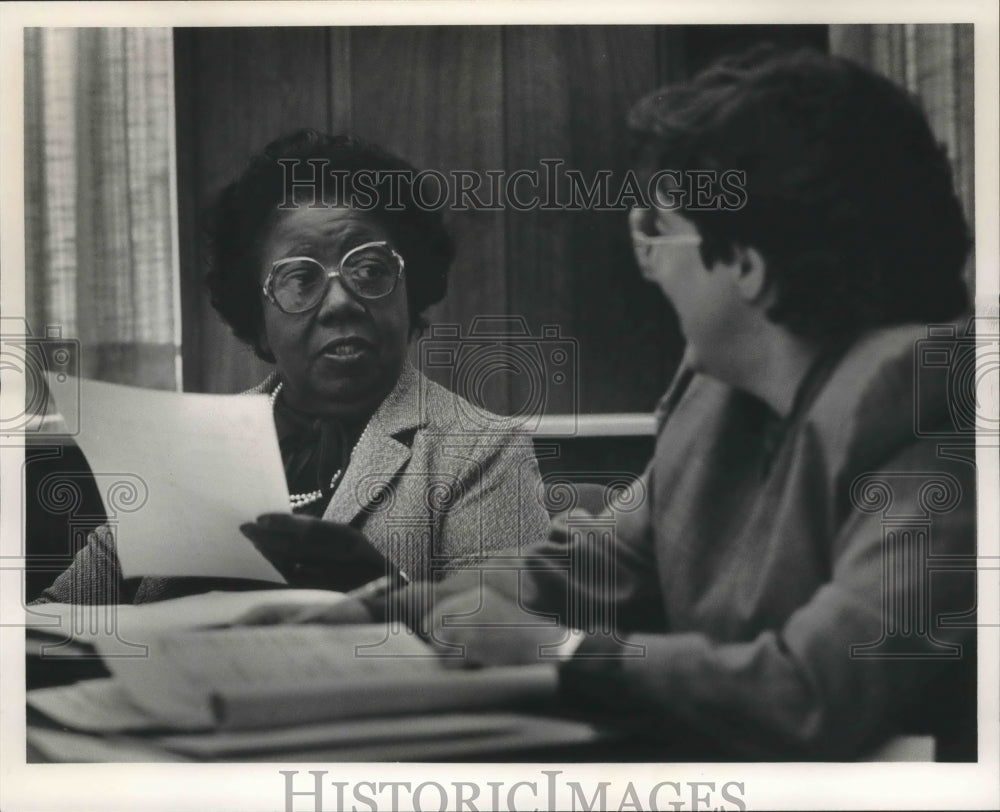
(849, 197)
(246, 210)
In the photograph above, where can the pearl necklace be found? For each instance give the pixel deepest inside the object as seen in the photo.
(298, 500)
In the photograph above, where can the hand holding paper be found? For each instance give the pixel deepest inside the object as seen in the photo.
(317, 554)
(179, 473)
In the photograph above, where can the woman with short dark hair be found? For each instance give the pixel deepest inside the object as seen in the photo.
(311, 169)
(846, 192)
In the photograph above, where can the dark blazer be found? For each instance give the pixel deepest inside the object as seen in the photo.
(780, 588)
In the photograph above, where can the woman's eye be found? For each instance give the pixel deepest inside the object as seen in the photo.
(299, 275)
(370, 271)
(367, 270)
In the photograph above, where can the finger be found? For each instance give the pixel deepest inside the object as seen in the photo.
(263, 536)
(310, 530)
(285, 522)
(267, 615)
(346, 612)
(252, 531)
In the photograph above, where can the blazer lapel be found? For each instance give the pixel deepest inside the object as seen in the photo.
(380, 453)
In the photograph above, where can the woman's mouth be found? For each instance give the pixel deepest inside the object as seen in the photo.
(346, 349)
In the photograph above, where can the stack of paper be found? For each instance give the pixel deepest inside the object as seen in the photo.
(243, 690)
(271, 676)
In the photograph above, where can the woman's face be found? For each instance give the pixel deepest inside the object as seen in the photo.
(344, 356)
(703, 299)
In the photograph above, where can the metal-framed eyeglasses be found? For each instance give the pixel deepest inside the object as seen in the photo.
(299, 284)
(640, 221)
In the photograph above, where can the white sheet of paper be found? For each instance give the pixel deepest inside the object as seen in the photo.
(179, 473)
(81, 748)
(93, 705)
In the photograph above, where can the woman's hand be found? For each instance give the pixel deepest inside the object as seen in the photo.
(315, 554)
(483, 627)
(350, 610)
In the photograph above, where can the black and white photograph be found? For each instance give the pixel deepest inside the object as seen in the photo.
(544, 405)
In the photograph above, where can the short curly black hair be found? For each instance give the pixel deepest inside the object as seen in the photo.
(848, 195)
(246, 209)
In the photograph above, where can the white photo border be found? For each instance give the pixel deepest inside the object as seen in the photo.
(260, 786)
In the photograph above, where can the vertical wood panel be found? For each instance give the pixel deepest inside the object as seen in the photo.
(472, 98)
(434, 95)
(671, 54)
(568, 91)
(341, 100)
(237, 90)
(537, 121)
(631, 343)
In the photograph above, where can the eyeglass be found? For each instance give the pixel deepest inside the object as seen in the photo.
(645, 243)
(369, 271)
(640, 225)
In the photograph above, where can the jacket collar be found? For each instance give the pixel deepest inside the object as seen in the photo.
(381, 451)
(399, 412)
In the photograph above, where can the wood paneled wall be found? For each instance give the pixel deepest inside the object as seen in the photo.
(444, 98)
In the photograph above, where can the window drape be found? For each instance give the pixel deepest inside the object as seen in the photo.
(100, 221)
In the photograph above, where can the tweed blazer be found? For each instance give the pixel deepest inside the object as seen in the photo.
(434, 482)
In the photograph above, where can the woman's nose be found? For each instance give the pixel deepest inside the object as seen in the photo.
(338, 300)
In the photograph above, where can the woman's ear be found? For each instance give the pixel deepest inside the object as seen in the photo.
(750, 274)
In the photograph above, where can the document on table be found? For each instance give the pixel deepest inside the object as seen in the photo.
(270, 676)
(93, 706)
(418, 737)
(179, 473)
(131, 626)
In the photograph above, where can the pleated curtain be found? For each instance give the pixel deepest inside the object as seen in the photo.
(100, 220)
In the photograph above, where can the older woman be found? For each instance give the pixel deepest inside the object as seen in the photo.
(323, 262)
